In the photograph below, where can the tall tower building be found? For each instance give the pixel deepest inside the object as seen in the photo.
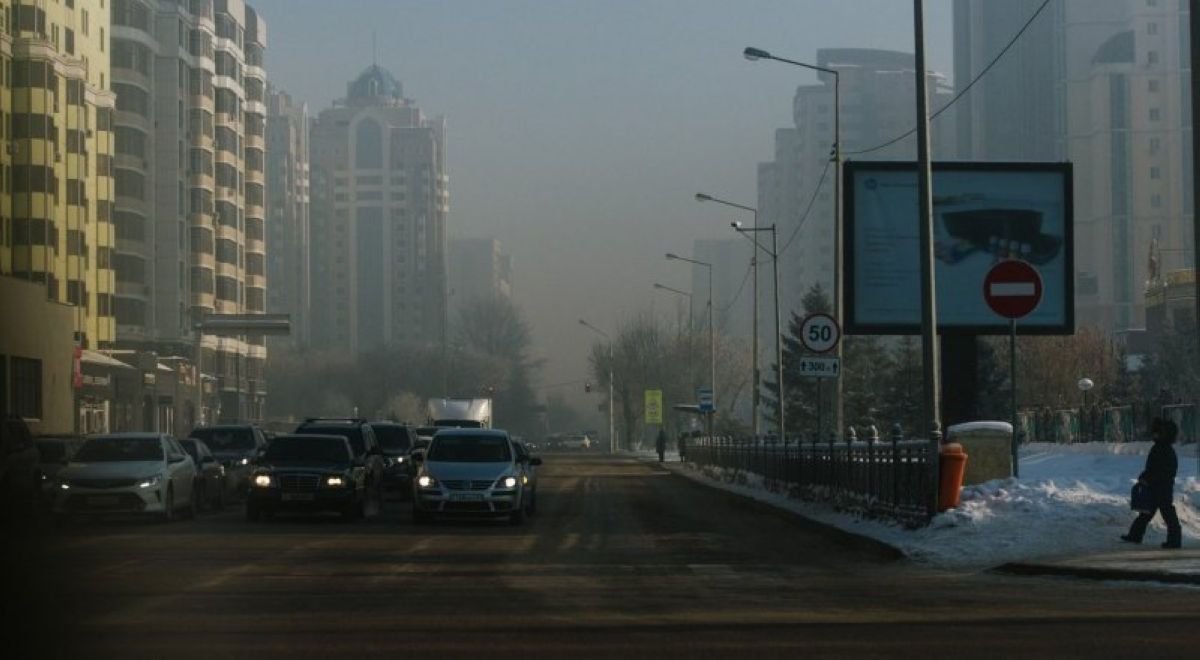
(877, 105)
(479, 270)
(288, 243)
(379, 205)
(56, 202)
(190, 183)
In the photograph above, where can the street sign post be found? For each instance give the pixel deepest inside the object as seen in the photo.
(654, 403)
(704, 399)
(820, 367)
(820, 333)
(1013, 289)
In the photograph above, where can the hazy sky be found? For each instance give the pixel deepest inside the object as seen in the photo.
(580, 129)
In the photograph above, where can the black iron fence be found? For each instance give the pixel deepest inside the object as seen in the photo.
(889, 477)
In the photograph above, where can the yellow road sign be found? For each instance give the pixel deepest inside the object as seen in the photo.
(654, 407)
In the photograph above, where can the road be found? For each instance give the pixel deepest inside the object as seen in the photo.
(622, 559)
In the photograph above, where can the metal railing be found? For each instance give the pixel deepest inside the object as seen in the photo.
(888, 478)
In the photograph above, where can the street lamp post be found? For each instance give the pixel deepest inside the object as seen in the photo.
(712, 342)
(664, 287)
(774, 252)
(1085, 385)
(754, 54)
(612, 440)
(755, 394)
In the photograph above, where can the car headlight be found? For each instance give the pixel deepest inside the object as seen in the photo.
(506, 482)
(262, 480)
(64, 485)
(399, 460)
(524, 480)
(150, 482)
(426, 481)
(335, 482)
(244, 461)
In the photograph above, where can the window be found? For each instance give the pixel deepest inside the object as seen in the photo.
(1155, 114)
(1152, 57)
(227, 289)
(1155, 145)
(26, 387)
(227, 251)
(130, 268)
(130, 226)
(368, 144)
(1155, 172)
(1152, 28)
(69, 40)
(132, 99)
(1152, 85)
(1156, 200)
(130, 184)
(76, 192)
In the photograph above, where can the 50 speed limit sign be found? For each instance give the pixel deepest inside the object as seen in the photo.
(819, 333)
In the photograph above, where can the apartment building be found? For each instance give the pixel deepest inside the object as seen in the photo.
(190, 176)
(288, 231)
(380, 199)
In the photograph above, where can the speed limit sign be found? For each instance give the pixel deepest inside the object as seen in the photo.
(819, 333)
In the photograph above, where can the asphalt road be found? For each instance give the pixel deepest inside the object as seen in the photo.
(623, 559)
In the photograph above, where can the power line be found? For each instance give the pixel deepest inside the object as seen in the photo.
(807, 209)
(734, 299)
(964, 90)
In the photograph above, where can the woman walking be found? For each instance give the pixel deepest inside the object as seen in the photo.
(1159, 477)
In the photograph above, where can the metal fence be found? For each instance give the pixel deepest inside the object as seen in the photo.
(1124, 423)
(883, 477)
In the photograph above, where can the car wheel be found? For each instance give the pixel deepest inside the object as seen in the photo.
(168, 513)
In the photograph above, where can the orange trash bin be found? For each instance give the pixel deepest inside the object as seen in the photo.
(952, 467)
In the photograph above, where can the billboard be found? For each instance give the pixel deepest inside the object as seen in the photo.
(982, 213)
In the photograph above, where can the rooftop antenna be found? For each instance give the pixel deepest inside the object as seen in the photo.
(374, 59)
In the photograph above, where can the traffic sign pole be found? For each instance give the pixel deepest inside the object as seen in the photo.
(1013, 289)
(1012, 369)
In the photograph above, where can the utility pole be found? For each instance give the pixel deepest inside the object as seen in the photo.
(1194, 37)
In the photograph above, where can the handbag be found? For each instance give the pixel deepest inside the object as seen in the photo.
(1141, 499)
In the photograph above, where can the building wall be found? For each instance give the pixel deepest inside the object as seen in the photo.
(42, 338)
(191, 176)
(55, 208)
(288, 228)
(478, 270)
(379, 206)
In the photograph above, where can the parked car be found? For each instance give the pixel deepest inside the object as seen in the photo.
(20, 471)
(472, 471)
(235, 446)
(308, 473)
(362, 441)
(53, 454)
(140, 473)
(396, 440)
(576, 442)
(210, 474)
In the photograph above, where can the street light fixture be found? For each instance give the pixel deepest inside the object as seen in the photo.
(612, 441)
(755, 54)
(664, 287)
(774, 252)
(712, 342)
(1085, 385)
(755, 395)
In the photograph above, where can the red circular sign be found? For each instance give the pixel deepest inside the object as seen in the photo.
(1012, 288)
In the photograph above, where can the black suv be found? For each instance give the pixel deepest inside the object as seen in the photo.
(362, 442)
(235, 446)
(397, 441)
(20, 472)
(308, 473)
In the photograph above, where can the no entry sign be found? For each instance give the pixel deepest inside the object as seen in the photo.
(1012, 288)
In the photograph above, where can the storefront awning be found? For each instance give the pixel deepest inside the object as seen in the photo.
(100, 359)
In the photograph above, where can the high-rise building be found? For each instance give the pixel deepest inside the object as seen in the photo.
(479, 270)
(379, 204)
(190, 184)
(56, 232)
(56, 204)
(288, 243)
(796, 191)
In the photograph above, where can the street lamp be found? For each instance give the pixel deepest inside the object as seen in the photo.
(612, 441)
(774, 252)
(680, 292)
(755, 54)
(1085, 385)
(755, 394)
(712, 342)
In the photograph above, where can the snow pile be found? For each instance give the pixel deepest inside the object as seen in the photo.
(1070, 500)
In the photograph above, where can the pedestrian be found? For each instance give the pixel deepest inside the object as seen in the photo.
(1159, 477)
(681, 446)
(660, 444)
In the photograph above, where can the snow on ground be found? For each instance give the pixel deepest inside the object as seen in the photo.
(1070, 500)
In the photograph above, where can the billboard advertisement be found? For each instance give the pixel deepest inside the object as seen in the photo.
(983, 213)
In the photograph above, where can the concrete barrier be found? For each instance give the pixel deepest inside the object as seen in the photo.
(989, 448)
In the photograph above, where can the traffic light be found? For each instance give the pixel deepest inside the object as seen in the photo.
(587, 387)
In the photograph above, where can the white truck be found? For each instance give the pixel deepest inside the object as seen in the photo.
(461, 413)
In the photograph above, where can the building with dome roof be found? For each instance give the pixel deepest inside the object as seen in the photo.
(379, 202)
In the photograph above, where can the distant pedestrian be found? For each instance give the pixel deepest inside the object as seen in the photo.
(1159, 477)
(660, 444)
(681, 447)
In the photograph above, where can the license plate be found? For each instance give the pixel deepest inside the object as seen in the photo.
(299, 497)
(466, 497)
(103, 500)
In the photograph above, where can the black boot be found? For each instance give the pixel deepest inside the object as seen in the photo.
(1130, 539)
(1174, 530)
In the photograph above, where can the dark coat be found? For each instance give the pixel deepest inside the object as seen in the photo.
(660, 442)
(1161, 467)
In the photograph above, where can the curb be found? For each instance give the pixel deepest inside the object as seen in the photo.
(841, 536)
(1090, 573)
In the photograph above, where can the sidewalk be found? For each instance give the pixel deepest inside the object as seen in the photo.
(1146, 564)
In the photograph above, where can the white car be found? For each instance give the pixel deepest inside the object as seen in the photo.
(131, 473)
(473, 472)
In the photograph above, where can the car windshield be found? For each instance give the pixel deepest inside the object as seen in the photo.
(392, 438)
(102, 450)
(51, 452)
(470, 449)
(221, 440)
(352, 433)
(306, 449)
